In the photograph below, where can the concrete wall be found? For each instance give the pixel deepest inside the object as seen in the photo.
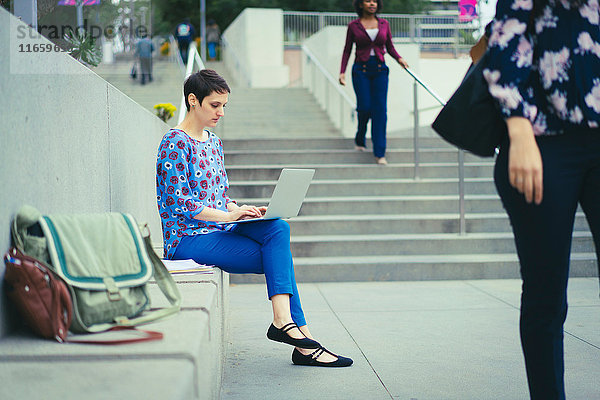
(253, 49)
(442, 75)
(70, 142)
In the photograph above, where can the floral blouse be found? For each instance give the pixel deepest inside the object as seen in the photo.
(556, 82)
(190, 175)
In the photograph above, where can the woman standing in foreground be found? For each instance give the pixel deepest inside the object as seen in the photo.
(544, 70)
(191, 188)
(372, 36)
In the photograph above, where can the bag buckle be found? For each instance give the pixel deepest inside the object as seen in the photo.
(123, 321)
(145, 230)
(112, 289)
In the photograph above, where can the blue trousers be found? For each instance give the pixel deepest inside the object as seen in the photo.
(261, 247)
(370, 82)
(543, 233)
(212, 50)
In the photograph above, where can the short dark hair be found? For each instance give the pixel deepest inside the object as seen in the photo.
(203, 83)
(358, 3)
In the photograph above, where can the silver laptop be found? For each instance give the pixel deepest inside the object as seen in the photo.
(287, 197)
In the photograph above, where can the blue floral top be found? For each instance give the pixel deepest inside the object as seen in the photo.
(190, 175)
(556, 84)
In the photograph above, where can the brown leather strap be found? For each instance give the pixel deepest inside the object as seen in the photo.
(479, 49)
(148, 336)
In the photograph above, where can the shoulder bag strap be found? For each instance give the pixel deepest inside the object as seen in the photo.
(165, 282)
(142, 335)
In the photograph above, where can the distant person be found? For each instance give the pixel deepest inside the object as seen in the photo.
(544, 71)
(372, 36)
(213, 37)
(191, 188)
(184, 34)
(143, 49)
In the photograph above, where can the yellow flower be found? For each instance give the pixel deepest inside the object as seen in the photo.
(165, 111)
(164, 48)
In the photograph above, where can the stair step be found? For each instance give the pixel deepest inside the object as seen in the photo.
(406, 224)
(415, 244)
(362, 171)
(362, 187)
(361, 221)
(284, 112)
(409, 204)
(416, 268)
(335, 156)
(327, 143)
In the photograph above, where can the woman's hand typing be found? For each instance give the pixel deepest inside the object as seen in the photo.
(233, 213)
(243, 212)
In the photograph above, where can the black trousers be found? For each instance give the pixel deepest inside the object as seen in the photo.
(543, 233)
(146, 69)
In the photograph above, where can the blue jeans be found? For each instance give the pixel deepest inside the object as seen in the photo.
(261, 247)
(370, 82)
(543, 233)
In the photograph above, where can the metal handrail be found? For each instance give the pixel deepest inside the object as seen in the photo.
(438, 30)
(461, 153)
(328, 76)
(344, 97)
(193, 58)
(420, 82)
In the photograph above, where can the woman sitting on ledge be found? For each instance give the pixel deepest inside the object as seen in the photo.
(191, 186)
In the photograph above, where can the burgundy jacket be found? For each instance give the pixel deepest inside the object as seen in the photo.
(357, 34)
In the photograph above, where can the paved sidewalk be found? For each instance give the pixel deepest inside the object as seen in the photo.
(409, 340)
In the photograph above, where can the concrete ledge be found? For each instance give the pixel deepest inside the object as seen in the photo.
(186, 364)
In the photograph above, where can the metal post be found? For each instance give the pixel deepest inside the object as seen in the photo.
(132, 23)
(461, 192)
(479, 17)
(326, 84)
(419, 34)
(314, 78)
(203, 29)
(79, 6)
(27, 11)
(416, 129)
(456, 38)
(341, 114)
(150, 23)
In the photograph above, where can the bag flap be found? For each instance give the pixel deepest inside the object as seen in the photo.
(35, 246)
(97, 251)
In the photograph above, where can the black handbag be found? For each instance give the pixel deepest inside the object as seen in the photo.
(133, 72)
(471, 119)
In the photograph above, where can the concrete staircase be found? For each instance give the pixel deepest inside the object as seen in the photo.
(363, 222)
(165, 87)
(269, 113)
(360, 221)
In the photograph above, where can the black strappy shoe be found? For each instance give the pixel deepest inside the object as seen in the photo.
(280, 335)
(311, 359)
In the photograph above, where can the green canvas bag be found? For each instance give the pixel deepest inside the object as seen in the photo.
(105, 261)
